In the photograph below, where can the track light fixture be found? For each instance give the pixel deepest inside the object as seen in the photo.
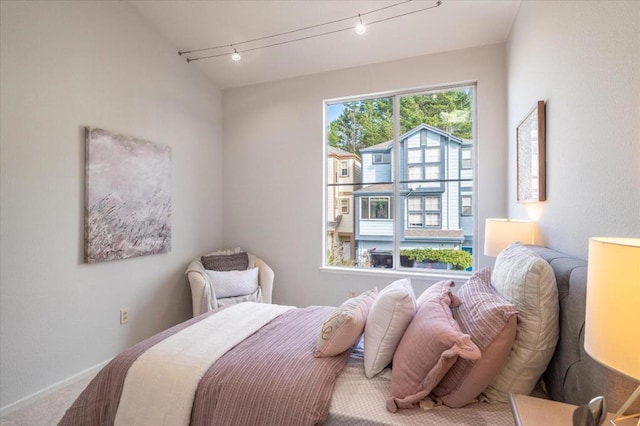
(360, 28)
(235, 56)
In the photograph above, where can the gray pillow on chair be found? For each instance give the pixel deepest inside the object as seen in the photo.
(226, 262)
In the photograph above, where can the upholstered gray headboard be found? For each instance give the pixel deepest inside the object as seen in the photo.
(572, 375)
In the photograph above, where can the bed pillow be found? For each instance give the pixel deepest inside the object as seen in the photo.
(426, 294)
(226, 262)
(388, 318)
(233, 283)
(526, 280)
(345, 325)
(429, 347)
(490, 320)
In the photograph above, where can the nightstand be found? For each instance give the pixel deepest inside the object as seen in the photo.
(531, 411)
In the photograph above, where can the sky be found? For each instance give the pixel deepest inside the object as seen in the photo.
(334, 111)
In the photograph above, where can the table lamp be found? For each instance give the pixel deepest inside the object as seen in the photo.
(612, 323)
(499, 233)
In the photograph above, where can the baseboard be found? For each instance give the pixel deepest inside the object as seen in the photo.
(30, 399)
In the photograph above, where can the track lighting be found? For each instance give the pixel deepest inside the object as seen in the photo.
(280, 38)
(360, 28)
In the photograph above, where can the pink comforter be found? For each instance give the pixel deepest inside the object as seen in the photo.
(271, 378)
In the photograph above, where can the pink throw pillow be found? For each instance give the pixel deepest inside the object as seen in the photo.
(429, 347)
(345, 325)
(490, 320)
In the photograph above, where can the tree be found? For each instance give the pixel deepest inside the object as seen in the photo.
(362, 124)
(369, 122)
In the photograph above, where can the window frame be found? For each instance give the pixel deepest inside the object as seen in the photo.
(469, 207)
(341, 205)
(345, 168)
(395, 210)
(389, 207)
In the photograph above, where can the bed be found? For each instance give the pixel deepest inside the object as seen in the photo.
(253, 364)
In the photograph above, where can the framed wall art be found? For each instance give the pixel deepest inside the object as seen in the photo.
(531, 158)
(128, 197)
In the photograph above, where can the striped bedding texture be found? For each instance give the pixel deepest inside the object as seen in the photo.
(270, 378)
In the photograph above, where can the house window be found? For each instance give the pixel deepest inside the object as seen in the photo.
(415, 220)
(344, 206)
(466, 158)
(432, 172)
(415, 173)
(375, 208)
(432, 220)
(410, 177)
(414, 203)
(432, 203)
(423, 211)
(432, 155)
(344, 168)
(414, 156)
(381, 158)
(467, 207)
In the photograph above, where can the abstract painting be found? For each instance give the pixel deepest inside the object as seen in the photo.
(128, 197)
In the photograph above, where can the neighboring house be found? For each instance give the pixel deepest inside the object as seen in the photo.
(344, 174)
(436, 190)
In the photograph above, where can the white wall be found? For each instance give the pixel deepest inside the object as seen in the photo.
(583, 58)
(272, 152)
(66, 65)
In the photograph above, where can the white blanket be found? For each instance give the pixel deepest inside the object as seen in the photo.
(160, 385)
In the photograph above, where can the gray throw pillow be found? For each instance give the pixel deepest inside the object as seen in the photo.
(226, 262)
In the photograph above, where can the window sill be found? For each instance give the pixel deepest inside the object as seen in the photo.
(400, 273)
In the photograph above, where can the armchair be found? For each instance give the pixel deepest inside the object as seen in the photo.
(203, 285)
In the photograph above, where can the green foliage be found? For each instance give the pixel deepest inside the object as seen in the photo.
(460, 259)
(370, 122)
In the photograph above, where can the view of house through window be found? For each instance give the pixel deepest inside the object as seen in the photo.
(432, 224)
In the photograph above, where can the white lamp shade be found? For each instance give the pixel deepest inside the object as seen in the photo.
(612, 327)
(499, 233)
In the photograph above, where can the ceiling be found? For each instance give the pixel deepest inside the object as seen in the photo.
(189, 24)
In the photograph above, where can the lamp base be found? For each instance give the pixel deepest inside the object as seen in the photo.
(619, 416)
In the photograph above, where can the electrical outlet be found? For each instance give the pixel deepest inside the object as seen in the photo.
(124, 315)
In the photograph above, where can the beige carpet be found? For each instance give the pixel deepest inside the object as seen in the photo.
(47, 411)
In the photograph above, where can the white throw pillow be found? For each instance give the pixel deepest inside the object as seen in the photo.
(388, 319)
(526, 280)
(233, 283)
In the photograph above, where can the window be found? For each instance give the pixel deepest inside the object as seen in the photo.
(412, 192)
(381, 158)
(467, 207)
(414, 156)
(344, 168)
(415, 173)
(344, 206)
(432, 155)
(415, 220)
(423, 211)
(375, 208)
(466, 158)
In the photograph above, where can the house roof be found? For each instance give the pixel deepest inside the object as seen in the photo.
(333, 151)
(375, 188)
(388, 144)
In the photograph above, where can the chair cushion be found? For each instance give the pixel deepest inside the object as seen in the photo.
(226, 262)
(390, 314)
(234, 283)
